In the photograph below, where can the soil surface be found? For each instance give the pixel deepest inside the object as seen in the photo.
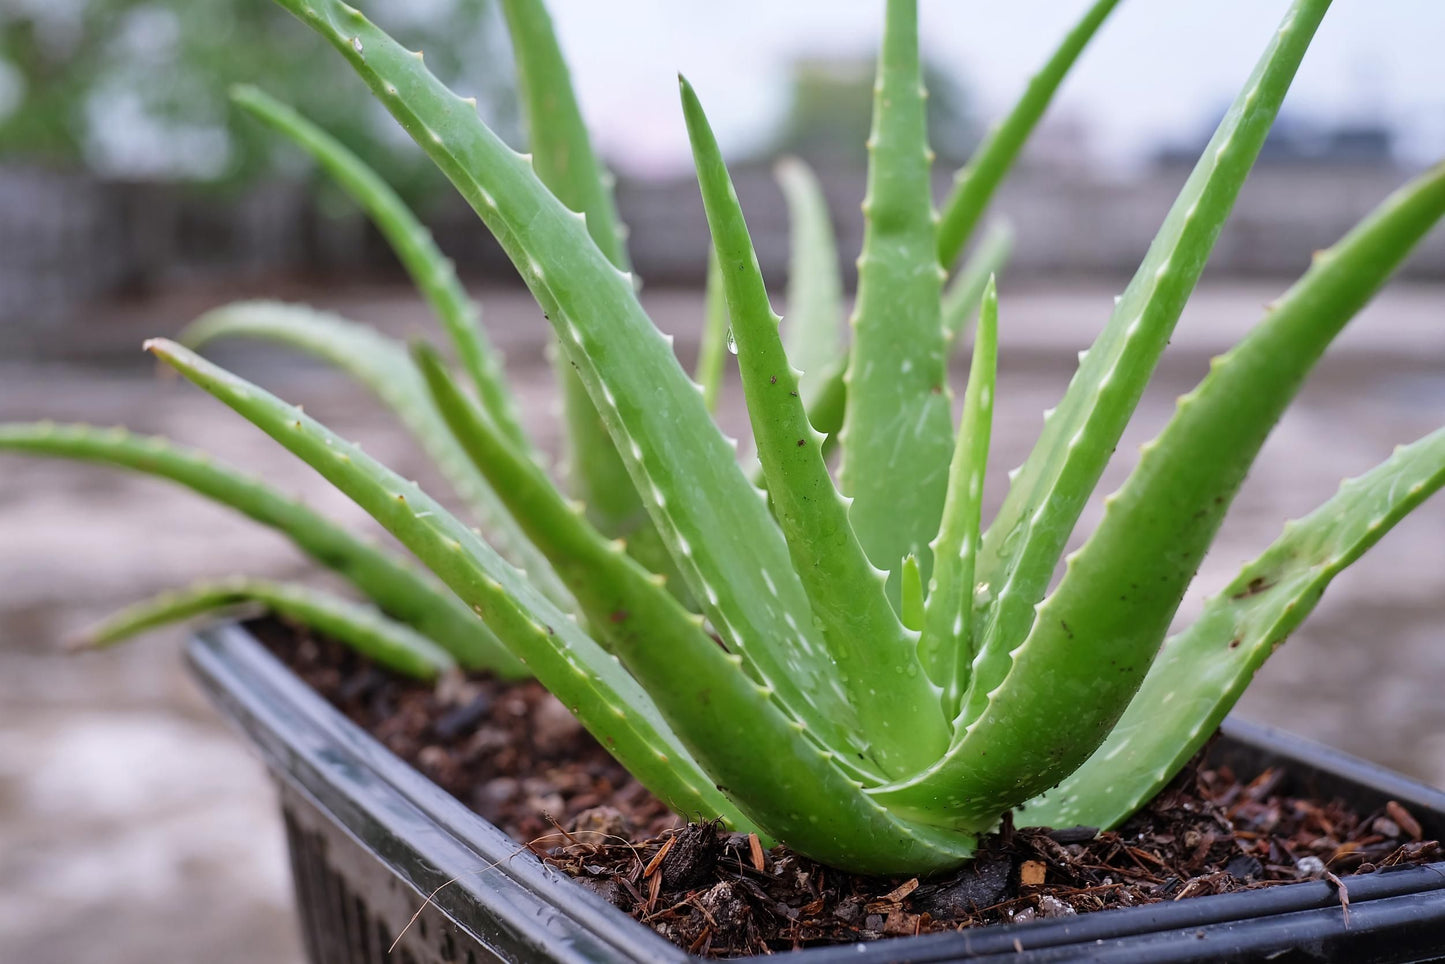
(517, 757)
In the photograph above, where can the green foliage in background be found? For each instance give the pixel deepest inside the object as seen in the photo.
(830, 107)
(137, 89)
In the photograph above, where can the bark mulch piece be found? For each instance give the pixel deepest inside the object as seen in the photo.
(516, 756)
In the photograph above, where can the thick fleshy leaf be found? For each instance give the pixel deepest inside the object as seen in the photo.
(829, 406)
(382, 365)
(587, 680)
(1202, 671)
(964, 295)
(433, 272)
(535, 503)
(712, 350)
(828, 398)
(563, 158)
(391, 644)
(898, 435)
(794, 791)
(1032, 713)
(812, 329)
(1046, 495)
(1094, 638)
(401, 591)
(716, 526)
(975, 184)
(946, 647)
(876, 655)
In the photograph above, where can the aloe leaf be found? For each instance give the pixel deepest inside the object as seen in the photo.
(391, 644)
(564, 160)
(876, 655)
(1031, 712)
(975, 184)
(826, 410)
(433, 272)
(964, 295)
(1094, 638)
(796, 791)
(382, 365)
(529, 495)
(587, 680)
(1047, 493)
(1201, 672)
(561, 148)
(715, 525)
(400, 590)
(812, 327)
(946, 647)
(829, 407)
(828, 398)
(899, 432)
(711, 352)
(911, 610)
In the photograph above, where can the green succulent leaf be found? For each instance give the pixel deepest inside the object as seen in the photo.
(400, 590)
(965, 292)
(911, 611)
(899, 709)
(946, 647)
(433, 272)
(794, 791)
(391, 644)
(829, 406)
(975, 184)
(899, 429)
(712, 350)
(826, 410)
(561, 147)
(1101, 627)
(383, 366)
(1201, 672)
(1034, 711)
(812, 329)
(1047, 493)
(563, 158)
(539, 508)
(828, 398)
(587, 680)
(715, 525)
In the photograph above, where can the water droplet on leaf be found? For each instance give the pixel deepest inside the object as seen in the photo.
(732, 342)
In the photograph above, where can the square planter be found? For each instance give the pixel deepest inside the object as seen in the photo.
(370, 837)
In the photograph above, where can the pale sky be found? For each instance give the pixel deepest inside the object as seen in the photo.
(1157, 68)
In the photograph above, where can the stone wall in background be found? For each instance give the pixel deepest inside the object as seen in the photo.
(68, 241)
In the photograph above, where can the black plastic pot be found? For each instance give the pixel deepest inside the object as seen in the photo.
(370, 838)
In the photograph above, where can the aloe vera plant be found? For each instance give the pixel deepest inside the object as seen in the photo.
(858, 668)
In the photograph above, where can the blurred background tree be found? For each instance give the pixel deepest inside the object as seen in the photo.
(830, 108)
(137, 89)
